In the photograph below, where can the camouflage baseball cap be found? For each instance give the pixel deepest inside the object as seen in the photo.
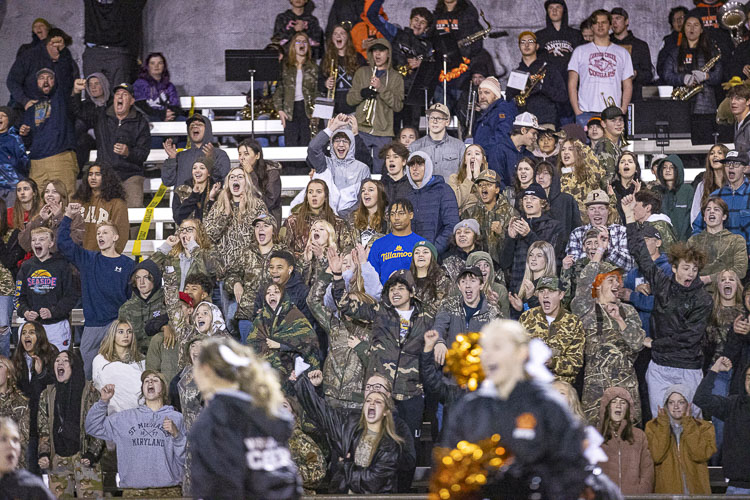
(550, 283)
(489, 176)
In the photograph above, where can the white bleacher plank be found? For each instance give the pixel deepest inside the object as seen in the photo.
(221, 127)
(676, 146)
(292, 153)
(214, 102)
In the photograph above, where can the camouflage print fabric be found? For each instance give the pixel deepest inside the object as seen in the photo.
(13, 404)
(343, 370)
(139, 312)
(46, 417)
(502, 212)
(609, 351)
(68, 476)
(168, 492)
(668, 237)
(454, 264)
(310, 269)
(190, 403)
(391, 355)
(251, 271)
(564, 336)
(725, 250)
(203, 261)
(7, 283)
(309, 458)
(608, 154)
(717, 332)
(290, 328)
(232, 235)
(431, 301)
(569, 280)
(592, 180)
(295, 237)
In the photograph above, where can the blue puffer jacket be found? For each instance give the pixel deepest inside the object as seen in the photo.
(14, 164)
(435, 206)
(644, 304)
(493, 126)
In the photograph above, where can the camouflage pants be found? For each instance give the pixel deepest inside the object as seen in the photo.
(68, 476)
(167, 492)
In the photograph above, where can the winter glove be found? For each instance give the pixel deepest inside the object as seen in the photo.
(368, 93)
(688, 80)
(699, 76)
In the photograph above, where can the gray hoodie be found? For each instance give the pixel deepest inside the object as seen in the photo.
(147, 455)
(104, 98)
(345, 172)
(177, 171)
(446, 153)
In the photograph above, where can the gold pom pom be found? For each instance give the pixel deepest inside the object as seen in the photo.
(462, 361)
(462, 471)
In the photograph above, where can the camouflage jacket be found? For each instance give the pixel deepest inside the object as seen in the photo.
(251, 271)
(569, 280)
(202, 261)
(450, 320)
(231, 235)
(15, 405)
(431, 302)
(502, 212)
(7, 283)
(454, 262)
(564, 336)
(295, 236)
(609, 351)
(283, 97)
(725, 250)
(139, 312)
(182, 324)
(309, 458)
(190, 397)
(717, 332)
(343, 370)
(608, 154)
(390, 355)
(580, 188)
(90, 446)
(290, 328)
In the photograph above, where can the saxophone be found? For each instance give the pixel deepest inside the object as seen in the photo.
(479, 35)
(530, 84)
(687, 92)
(369, 107)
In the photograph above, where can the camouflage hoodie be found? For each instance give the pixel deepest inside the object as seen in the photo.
(251, 271)
(494, 283)
(138, 311)
(15, 405)
(344, 367)
(502, 212)
(579, 189)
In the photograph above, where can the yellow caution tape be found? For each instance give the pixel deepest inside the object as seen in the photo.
(146, 222)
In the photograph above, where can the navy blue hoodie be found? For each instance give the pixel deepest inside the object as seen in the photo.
(52, 130)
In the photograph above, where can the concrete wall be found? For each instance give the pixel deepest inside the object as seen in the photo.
(194, 33)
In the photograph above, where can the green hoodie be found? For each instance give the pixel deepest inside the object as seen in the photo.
(390, 95)
(676, 202)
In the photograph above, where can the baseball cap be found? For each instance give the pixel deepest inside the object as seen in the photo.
(402, 276)
(124, 86)
(735, 156)
(619, 11)
(611, 113)
(489, 176)
(378, 46)
(267, 218)
(535, 189)
(470, 270)
(550, 283)
(467, 223)
(527, 120)
(597, 196)
(440, 108)
(43, 71)
(186, 299)
(595, 120)
(650, 231)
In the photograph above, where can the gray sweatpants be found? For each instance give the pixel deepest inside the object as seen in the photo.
(659, 378)
(91, 340)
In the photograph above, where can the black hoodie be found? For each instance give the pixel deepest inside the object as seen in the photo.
(641, 57)
(283, 29)
(556, 46)
(461, 22)
(47, 284)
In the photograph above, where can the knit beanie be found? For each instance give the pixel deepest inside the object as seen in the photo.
(492, 85)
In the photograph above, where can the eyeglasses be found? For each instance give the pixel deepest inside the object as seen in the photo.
(187, 229)
(300, 42)
(375, 387)
(436, 119)
(527, 42)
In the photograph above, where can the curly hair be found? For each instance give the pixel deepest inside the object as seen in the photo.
(681, 251)
(111, 186)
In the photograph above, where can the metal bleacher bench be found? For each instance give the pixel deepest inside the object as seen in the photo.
(295, 153)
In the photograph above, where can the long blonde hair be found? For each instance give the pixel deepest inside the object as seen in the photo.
(256, 378)
(387, 427)
(108, 351)
(738, 295)
(550, 266)
(462, 167)
(251, 193)
(201, 238)
(571, 398)
(331, 240)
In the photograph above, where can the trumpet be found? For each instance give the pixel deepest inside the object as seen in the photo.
(530, 84)
(609, 102)
(335, 74)
(687, 92)
(369, 107)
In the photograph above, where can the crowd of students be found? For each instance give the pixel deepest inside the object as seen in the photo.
(343, 313)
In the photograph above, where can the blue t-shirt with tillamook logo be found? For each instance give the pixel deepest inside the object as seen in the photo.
(391, 253)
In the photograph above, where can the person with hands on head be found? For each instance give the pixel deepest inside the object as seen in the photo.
(682, 308)
(177, 168)
(734, 410)
(150, 439)
(614, 335)
(70, 456)
(680, 445)
(367, 445)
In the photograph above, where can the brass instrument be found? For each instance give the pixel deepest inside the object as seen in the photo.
(732, 16)
(687, 92)
(369, 107)
(530, 84)
(609, 102)
(263, 106)
(405, 69)
(470, 110)
(479, 35)
(335, 74)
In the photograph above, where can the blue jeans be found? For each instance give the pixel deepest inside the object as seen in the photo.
(246, 326)
(583, 118)
(6, 316)
(734, 490)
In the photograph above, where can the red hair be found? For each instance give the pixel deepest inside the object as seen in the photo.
(601, 278)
